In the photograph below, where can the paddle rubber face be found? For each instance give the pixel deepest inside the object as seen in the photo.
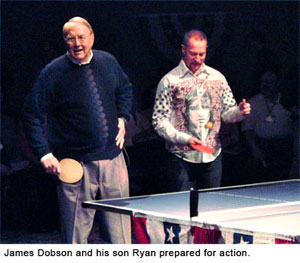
(202, 148)
(71, 171)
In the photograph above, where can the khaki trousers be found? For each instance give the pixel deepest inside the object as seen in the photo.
(109, 178)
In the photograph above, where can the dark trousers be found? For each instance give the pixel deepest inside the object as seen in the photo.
(182, 175)
(278, 155)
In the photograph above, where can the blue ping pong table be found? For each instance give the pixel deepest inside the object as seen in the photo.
(255, 213)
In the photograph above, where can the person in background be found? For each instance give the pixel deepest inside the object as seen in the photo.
(268, 132)
(233, 154)
(87, 99)
(191, 100)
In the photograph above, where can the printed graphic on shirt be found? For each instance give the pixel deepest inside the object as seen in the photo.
(188, 105)
(196, 102)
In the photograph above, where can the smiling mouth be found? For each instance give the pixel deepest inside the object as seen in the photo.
(78, 51)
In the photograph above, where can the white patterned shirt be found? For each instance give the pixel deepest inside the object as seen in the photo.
(184, 104)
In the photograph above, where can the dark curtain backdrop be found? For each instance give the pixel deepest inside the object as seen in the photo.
(145, 37)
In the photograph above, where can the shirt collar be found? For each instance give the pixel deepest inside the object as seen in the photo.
(185, 70)
(76, 62)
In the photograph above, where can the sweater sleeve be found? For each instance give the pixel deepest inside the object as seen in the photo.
(34, 115)
(123, 94)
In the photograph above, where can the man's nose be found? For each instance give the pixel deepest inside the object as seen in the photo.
(197, 58)
(76, 41)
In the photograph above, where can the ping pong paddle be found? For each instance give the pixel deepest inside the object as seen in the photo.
(202, 148)
(71, 171)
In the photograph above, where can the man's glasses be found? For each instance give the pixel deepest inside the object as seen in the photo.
(72, 40)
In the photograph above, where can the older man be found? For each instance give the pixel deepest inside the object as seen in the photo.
(86, 97)
(190, 102)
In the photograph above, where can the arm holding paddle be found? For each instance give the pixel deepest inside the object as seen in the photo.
(51, 164)
(199, 146)
(193, 140)
(68, 170)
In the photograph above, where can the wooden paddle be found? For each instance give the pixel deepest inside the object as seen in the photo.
(71, 171)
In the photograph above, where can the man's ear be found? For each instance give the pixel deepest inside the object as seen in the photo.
(183, 49)
(93, 35)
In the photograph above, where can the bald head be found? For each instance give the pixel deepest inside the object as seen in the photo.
(73, 21)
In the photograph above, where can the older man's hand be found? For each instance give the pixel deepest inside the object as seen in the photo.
(120, 138)
(51, 165)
